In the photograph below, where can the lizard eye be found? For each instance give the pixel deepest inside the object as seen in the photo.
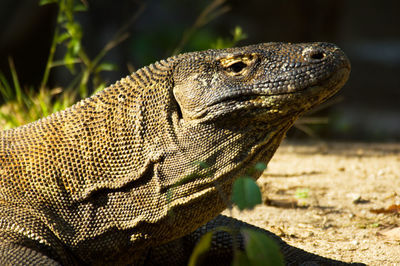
(236, 67)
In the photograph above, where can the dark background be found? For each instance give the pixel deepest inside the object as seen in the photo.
(368, 107)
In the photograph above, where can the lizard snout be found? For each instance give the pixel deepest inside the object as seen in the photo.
(319, 52)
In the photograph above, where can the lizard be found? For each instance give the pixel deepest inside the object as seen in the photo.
(101, 182)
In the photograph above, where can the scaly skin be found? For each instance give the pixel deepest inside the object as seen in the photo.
(105, 181)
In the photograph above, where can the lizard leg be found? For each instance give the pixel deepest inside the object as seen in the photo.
(15, 254)
(17, 249)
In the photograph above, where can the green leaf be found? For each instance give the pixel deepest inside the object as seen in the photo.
(74, 29)
(62, 37)
(45, 2)
(240, 259)
(202, 165)
(238, 34)
(194, 175)
(260, 249)
(260, 166)
(187, 179)
(69, 61)
(106, 67)
(245, 193)
(201, 247)
(76, 47)
(61, 19)
(80, 8)
(220, 44)
(100, 87)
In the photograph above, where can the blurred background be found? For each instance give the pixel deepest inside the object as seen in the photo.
(109, 39)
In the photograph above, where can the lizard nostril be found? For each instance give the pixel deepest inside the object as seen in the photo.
(317, 55)
(313, 54)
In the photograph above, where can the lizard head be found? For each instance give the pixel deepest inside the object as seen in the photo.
(234, 106)
(268, 81)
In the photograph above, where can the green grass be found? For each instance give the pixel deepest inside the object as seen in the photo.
(26, 104)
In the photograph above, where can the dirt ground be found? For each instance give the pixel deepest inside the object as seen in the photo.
(339, 200)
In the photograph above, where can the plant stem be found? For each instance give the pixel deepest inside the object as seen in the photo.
(51, 55)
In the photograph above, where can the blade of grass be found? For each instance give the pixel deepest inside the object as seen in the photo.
(5, 88)
(52, 52)
(17, 87)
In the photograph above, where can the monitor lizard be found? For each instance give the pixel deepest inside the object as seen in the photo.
(101, 182)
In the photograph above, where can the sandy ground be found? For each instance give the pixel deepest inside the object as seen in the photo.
(338, 200)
